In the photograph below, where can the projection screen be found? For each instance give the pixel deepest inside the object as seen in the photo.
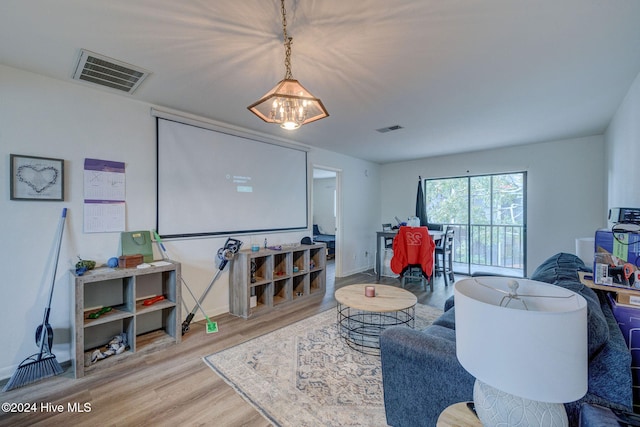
(211, 182)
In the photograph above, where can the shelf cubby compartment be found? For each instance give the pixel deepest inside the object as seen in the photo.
(281, 291)
(264, 297)
(116, 293)
(270, 278)
(151, 341)
(98, 333)
(300, 262)
(155, 284)
(261, 269)
(281, 262)
(159, 324)
(300, 286)
(317, 259)
(124, 290)
(317, 283)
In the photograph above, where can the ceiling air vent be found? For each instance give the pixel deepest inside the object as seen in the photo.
(389, 129)
(104, 71)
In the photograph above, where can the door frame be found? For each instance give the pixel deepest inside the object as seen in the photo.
(338, 173)
(469, 225)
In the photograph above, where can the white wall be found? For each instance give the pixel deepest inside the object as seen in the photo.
(323, 201)
(49, 118)
(565, 193)
(623, 151)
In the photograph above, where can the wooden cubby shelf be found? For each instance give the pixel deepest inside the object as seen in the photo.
(262, 280)
(148, 327)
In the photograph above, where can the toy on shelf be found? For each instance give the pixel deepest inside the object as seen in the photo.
(99, 313)
(117, 345)
(153, 300)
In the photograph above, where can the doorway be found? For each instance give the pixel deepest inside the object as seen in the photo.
(326, 213)
(488, 214)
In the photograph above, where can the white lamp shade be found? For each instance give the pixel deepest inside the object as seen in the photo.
(538, 354)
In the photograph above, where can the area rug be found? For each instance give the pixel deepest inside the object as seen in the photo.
(306, 375)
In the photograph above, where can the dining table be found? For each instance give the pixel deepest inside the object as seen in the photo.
(381, 236)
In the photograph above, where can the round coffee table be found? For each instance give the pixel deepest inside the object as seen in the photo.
(362, 319)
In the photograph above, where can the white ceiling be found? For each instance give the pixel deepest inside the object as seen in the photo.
(457, 75)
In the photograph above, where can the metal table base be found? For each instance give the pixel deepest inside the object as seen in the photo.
(361, 329)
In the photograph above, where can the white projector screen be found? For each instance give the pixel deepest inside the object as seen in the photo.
(212, 183)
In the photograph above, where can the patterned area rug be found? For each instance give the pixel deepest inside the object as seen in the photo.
(306, 375)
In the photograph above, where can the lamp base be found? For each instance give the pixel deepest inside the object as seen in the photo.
(497, 408)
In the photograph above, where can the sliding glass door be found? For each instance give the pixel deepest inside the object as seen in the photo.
(488, 214)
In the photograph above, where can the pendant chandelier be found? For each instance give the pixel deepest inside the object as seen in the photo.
(289, 104)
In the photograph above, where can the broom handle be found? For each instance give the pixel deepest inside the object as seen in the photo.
(53, 279)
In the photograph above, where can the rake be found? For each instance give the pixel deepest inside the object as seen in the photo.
(43, 364)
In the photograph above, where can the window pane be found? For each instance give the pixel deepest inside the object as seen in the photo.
(480, 200)
(508, 199)
(446, 201)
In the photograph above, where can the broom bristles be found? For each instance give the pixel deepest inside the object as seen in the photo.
(32, 369)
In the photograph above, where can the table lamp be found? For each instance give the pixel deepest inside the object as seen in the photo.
(525, 342)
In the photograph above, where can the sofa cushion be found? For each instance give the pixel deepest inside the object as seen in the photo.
(562, 270)
(447, 319)
(440, 331)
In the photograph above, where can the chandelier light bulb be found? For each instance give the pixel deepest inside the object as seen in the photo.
(289, 125)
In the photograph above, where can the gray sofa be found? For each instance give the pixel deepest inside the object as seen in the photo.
(422, 376)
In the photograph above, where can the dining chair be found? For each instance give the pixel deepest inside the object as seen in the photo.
(413, 250)
(434, 226)
(444, 253)
(414, 273)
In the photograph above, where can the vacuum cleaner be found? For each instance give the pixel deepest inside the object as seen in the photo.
(225, 254)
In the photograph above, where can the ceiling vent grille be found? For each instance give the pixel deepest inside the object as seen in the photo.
(101, 70)
(389, 129)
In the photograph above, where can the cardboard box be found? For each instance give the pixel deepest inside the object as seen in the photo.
(628, 319)
(628, 299)
(616, 259)
(621, 295)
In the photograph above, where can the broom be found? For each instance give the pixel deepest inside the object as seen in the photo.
(43, 364)
(211, 325)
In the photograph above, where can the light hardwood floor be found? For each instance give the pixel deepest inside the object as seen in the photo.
(174, 386)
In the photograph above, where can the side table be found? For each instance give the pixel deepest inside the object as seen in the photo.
(458, 415)
(362, 319)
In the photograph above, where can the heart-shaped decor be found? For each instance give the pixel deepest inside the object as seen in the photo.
(38, 178)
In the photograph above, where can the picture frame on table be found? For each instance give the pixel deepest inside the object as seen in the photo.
(36, 178)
